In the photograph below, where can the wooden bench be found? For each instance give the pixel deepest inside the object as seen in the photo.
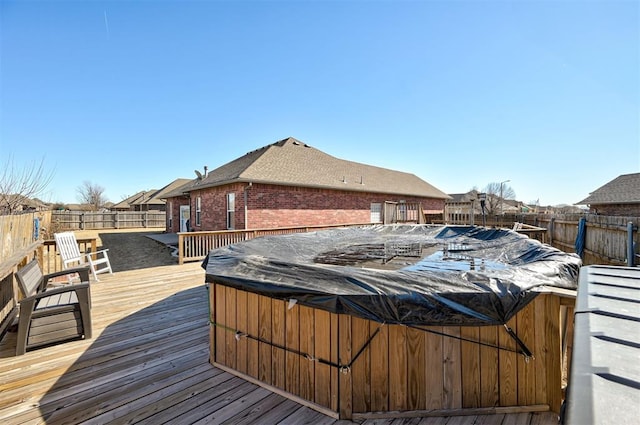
(51, 314)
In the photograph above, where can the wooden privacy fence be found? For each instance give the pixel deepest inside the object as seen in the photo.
(20, 237)
(195, 246)
(78, 220)
(606, 237)
(349, 367)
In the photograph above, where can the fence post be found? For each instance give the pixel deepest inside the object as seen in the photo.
(180, 248)
(551, 230)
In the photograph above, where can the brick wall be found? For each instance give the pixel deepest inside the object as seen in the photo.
(282, 206)
(624, 210)
(174, 214)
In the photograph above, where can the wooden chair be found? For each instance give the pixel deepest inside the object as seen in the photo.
(50, 314)
(70, 253)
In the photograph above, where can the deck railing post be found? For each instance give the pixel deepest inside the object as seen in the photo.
(180, 248)
(630, 249)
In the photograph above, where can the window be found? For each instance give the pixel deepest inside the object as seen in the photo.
(231, 208)
(170, 214)
(198, 210)
(376, 213)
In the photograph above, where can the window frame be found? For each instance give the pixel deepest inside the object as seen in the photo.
(198, 210)
(231, 210)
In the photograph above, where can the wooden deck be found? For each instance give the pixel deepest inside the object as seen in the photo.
(148, 363)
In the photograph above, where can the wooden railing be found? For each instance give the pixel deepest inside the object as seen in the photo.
(195, 246)
(48, 253)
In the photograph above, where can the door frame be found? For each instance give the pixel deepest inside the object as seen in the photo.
(185, 216)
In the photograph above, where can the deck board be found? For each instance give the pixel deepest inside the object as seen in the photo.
(148, 362)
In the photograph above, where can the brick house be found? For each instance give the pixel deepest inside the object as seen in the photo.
(619, 197)
(289, 183)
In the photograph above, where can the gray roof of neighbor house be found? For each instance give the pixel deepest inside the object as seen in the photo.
(463, 197)
(624, 189)
(291, 162)
(153, 196)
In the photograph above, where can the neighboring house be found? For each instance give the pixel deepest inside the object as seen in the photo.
(149, 200)
(289, 183)
(15, 203)
(619, 197)
(460, 203)
(78, 207)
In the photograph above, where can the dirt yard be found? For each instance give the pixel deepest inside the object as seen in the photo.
(131, 249)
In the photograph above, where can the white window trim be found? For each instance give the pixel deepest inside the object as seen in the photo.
(198, 210)
(230, 196)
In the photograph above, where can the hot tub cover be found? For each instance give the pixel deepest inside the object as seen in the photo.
(403, 274)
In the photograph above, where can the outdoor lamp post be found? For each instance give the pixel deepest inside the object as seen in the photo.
(502, 200)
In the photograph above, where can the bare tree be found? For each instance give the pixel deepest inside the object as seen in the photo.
(496, 194)
(91, 194)
(18, 185)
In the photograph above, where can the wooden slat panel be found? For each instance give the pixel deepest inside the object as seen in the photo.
(221, 317)
(335, 379)
(230, 339)
(345, 405)
(279, 370)
(264, 348)
(398, 367)
(307, 345)
(566, 361)
(508, 367)
(380, 370)
(242, 325)
(322, 331)
(489, 388)
(540, 352)
(361, 370)
(253, 326)
(416, 372)
(553, 347)
(292, 325)
(470, 359)
(434, 368)
(526, 369)
(452, 382)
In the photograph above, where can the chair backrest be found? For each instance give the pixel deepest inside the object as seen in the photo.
(67, 246)
(30, 278)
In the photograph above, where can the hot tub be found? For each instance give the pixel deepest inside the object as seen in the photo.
(373, 321)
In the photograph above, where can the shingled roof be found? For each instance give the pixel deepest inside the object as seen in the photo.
(291, 162)
(624, 189)
(151, 197)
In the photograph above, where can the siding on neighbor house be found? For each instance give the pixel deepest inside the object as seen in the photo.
(271, 206)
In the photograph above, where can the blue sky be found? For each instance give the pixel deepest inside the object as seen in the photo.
(132, 95)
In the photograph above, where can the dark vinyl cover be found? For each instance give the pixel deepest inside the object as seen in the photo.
(400, 274)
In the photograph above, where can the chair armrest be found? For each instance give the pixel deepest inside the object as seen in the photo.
(83, 271)
(100, 251)
(76, 287)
